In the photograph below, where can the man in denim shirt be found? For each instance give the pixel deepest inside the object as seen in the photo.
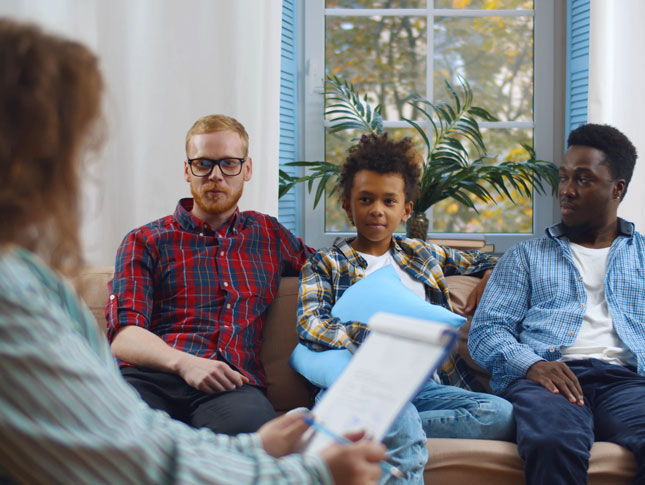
(561, 325)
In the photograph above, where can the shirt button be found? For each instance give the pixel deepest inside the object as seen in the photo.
(112, 297)
(225, 283)
(582, 305)
(571, 334)
(221, 253)
(552, 349)
(580, 279)
(228, 306)
(201, 233)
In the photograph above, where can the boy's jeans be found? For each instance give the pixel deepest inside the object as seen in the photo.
(452, 412)
(439, 411)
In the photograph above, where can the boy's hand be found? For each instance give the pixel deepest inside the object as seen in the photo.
(354, 464)
(476, 295)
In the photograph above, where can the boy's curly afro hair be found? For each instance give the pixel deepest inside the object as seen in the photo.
(379, 153)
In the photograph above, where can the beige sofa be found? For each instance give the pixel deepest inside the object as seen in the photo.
(450, 461)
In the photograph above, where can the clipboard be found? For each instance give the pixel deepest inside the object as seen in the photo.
(385, 373)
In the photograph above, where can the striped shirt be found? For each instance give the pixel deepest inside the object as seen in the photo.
(204, 291)
(67, 415)
(535, 302)
(329, 272)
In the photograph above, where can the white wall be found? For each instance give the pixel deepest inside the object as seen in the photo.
(616, 95)
(166, 63)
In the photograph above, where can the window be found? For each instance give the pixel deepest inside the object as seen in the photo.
(507, 51)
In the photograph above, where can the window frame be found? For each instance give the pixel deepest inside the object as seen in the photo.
(548, 121)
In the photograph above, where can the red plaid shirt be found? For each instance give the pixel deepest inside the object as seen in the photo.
(202, 291)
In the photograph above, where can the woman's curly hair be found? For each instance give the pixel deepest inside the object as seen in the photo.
(379, 153)
(50, 101)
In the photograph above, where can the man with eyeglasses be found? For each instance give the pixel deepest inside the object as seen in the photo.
(188, 299)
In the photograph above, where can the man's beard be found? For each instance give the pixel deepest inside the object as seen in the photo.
(219, 206)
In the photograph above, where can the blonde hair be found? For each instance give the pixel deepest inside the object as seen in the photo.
(213, 123)
(50, 93)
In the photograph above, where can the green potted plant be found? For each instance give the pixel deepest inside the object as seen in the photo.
(457, 163)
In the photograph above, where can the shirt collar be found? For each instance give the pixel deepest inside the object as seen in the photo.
(354, 257)
(625, 228)
(189, 223)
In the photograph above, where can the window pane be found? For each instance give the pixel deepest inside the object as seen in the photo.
(375, 3)
(336, 146)
(503, 216)
(384, 57)
(485, 4)
(495, 55)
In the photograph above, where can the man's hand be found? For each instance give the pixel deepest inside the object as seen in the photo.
(476, 294)
(209, 375)
(281, 435)
(557, 378)
(354, 464)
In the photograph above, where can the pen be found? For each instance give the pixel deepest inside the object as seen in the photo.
(394, 471)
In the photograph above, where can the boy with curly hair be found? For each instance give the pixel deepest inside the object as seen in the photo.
(379, 182)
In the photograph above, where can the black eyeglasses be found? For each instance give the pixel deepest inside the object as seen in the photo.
(203, 167)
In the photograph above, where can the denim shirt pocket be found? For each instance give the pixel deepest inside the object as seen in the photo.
(628, 287)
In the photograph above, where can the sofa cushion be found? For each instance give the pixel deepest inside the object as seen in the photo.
(321, 368)
(459, 288)
(91, 285)
(383, 291)
(286, 389)
(498, 463)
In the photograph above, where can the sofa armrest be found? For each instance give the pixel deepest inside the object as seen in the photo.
(91, 283)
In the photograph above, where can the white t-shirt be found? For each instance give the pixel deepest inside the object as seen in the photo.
(378, 262)
(597, 338)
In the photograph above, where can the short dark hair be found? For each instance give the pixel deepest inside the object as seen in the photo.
(379, 153)
(620, 153)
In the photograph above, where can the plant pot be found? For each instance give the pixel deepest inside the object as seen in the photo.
(416, 226)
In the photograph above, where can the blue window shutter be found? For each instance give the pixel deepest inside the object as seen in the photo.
(288, 204)
(577, 89)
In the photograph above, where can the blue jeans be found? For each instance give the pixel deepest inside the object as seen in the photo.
(406, 447)
(452, 412)
(439, 411)
(554, 436)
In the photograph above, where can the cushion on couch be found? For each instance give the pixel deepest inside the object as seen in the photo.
(91, 285)
(286, 389)
(383, 291)
(487, 462)
(459, 288)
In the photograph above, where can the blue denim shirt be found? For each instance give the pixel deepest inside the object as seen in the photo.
(535, 301)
